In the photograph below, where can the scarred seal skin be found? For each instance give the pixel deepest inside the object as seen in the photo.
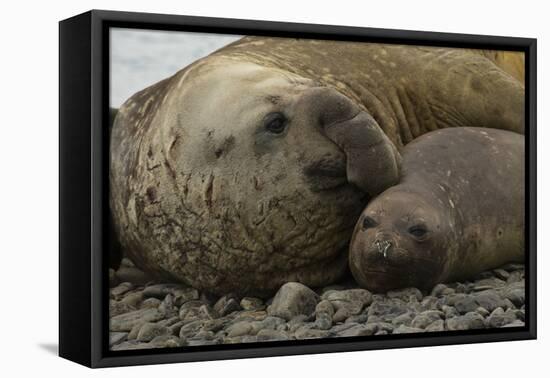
(250, 167)
(458, 210)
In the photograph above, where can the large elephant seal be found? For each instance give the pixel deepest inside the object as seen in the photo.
(249, 168)
(457, 211)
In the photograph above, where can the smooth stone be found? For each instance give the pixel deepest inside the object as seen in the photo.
(169, 322)
(293, 299)
(118, 308)
(438, 290)
(133, 275)
(353, 300)
(121, 289)
(358, 330)
(404, 329)
(190, 329)
(239, 329)
(516, 276)
(483, 312)
(488, 283)
(323, 321)
(342, 327)
(131, 345)
(176, 327)
(134, 331)
(501, 274)
(250, 316)
(206, 312)
(466, 304)
(250, 303)
(117, 337)
(515, 293)
(424, 319)
(199, 342)
(304, 333)
(357, 318)
(125, 322)
(403, 319)
(513, 266)
(515, 323)
(271, 335)
(215, 325)
(405, 294)
(160, 291)
(437, 326)
(133, 299)
(471, 320)
(151, 303)
(127, 262)
(387, 310)
(226, 305)
(167, 307)
(324, 307)
(499, 318)
(341, 315)
(149, 331)
(166, 341)
(449, 311)
(190, 310)
(184, 295)
(490, 300)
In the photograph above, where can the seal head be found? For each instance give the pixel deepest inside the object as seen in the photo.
(397, 231)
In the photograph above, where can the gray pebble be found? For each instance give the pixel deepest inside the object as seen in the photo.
(239, 329)
(424, 319)
(133, 275)
(404, 329)
(184, 295)
(271, 335)
(403, 319)
(117, 337)
(150, 303)
(406, 294)
(125, 322)
(352, 301)
(226, 305)
(122, 288)
(471, 320)
(358, 330)
(149, 331)
(293, 299)
(499, 318)
(437, 326)
(249, 303)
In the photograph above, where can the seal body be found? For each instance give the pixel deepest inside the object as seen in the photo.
(457, 211)
(249, 168)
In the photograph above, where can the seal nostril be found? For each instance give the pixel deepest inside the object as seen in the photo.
(383, 247)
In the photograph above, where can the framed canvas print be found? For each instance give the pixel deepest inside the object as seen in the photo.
(233, 188)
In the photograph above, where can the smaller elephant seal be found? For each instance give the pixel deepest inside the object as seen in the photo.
(458, 210)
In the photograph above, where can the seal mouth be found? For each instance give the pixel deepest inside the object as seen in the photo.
(326, 174)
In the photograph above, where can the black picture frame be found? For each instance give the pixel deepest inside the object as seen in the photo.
(83, 180)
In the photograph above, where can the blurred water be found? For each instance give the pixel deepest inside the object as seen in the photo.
(140, 58)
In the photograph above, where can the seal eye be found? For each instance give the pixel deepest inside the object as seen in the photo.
(275, 123)
(418, 231)
(368, 222)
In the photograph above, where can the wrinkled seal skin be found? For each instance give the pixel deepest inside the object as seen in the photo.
(203, 193)
(458, 210)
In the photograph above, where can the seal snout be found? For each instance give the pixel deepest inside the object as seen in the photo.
(383, 246)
